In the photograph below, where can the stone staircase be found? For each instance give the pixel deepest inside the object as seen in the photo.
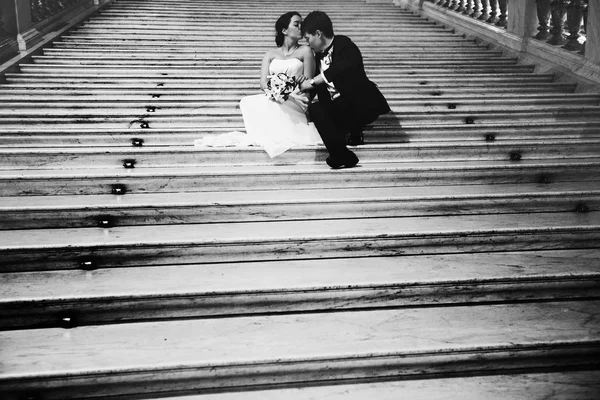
(459, 259)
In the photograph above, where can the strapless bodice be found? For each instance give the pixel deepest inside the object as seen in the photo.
(290, 66)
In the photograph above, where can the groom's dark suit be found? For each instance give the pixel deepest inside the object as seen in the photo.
(359, 103)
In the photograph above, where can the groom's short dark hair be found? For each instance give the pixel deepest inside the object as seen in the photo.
(317, 20)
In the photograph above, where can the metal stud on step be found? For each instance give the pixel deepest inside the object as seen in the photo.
(544, 179)
(156, 96)
(582, 208)
(150, 109)
(67, 320)
(490, 138)
(129, 164)
(105, 221)
(452, 106)
(144, 125)
(514, 156)
(469, 120)
(118, 189)
(137, 142)
(87, 264)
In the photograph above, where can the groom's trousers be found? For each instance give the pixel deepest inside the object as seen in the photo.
(334, 119)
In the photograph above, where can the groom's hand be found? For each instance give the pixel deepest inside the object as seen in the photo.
(305, 85)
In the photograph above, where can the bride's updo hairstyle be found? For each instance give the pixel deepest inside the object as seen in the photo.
(283, 23)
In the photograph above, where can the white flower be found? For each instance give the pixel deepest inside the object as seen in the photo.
(280, 86)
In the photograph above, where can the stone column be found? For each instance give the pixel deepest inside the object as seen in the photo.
(592, 45)
(522, 18)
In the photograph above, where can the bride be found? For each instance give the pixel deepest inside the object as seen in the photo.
(279, 126)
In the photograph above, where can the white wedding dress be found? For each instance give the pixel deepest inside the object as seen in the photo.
(275, 126)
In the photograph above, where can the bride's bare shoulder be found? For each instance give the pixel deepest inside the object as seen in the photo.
(305, 49)
(270, 55)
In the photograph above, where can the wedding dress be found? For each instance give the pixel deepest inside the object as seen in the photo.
(275, 126)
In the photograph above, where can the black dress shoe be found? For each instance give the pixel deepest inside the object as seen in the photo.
(356, 139)
(349, 161)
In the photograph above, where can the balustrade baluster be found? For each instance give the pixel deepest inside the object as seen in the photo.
(543, 14)
(468, 7)
(503, 6)
(585, 25)
(574, 19)
(455, 5)
(485, 10)
(476, 9)
(558, 10)
(493, 12)
(442, 3)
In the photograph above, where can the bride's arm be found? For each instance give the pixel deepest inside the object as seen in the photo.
(264, 71)
(309, 62)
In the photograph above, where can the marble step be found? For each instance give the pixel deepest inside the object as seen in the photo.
(229, 118)
(95, 181)
(272, 351)
(119, 32)
(379, 134)
(404, 92)
(403, 110)
(179, 156)
(365, 44)
(514, 80)
(50, 249)
(29, 212)
(115, 99)
(518, 72)
(258, 48)
(101, 104)
(256, 11)
(262, 22)
(242, 65)
(184, 34)
(569, 385)
(212, 54)
(192, 72)
(117, 295)
(201, 104)
(399, 59)
(405, 88)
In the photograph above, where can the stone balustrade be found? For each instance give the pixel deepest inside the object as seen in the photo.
(560, 22)
(43, 9)
(560, 36)
(23, 23)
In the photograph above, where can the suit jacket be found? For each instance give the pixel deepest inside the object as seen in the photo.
(347, 72)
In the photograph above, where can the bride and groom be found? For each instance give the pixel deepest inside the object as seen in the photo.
(346, 100)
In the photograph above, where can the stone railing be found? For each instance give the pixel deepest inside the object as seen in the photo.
(559, 36)
(44, 9)
(490, 11)
(24, 23)
(560, 22)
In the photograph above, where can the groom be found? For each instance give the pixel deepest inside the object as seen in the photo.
(347, 99)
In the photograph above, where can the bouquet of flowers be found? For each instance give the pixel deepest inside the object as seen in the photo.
(280, 86)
